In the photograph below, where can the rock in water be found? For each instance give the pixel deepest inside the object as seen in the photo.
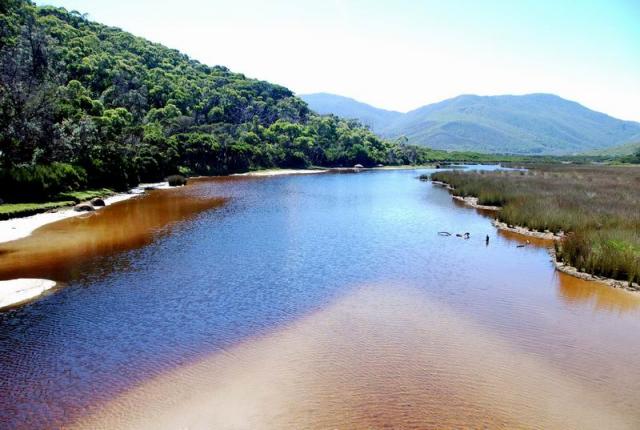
(84, 207)
(97, 202)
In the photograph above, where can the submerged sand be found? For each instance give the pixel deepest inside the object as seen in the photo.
(17, 228)
(382, 357)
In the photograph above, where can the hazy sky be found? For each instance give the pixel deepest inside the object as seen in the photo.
(401, 54)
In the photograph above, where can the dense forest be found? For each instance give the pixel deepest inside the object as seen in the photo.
(83, 104)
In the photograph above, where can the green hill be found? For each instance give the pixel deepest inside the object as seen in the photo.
(85, 104)
(528, 124)
(372, 117)
(630, 148)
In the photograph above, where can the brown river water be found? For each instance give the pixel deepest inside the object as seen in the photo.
(324, 301)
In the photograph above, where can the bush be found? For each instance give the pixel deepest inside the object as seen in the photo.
(41, 182)
(177, 180)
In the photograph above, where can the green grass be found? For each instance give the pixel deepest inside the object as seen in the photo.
(19, 210)
(82, 196)
(598, 206)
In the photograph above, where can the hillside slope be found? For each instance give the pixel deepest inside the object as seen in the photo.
(528, 124)
(101, 107)
(630, 148)
(345, 107)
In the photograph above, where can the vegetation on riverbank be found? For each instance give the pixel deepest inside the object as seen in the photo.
(597, 206)
(20, 210)
(65, 199)
(86, 105)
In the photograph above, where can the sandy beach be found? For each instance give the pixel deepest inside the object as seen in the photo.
(15, 292)
(17, 228)
(280, 172)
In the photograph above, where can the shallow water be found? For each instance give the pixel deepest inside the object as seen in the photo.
(313, 302)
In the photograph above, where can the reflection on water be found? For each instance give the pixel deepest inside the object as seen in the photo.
(575, 291)
(309, 301)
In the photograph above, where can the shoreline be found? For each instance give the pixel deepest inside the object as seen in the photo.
(281, 172)
(16, 292)
(546, 235)
(18, 228)
(311, 171)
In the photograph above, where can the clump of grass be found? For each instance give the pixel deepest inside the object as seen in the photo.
(69, 198)
(83, 196)
(599, 206)
(177, 180)
(20, 210)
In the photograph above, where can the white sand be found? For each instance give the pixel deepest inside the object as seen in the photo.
(17, 291)
(17, 228)
(279, 172)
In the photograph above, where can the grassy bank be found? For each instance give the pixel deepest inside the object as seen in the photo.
(20, 210)
(598, 206)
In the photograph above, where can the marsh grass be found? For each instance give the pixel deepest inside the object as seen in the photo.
(598, 206)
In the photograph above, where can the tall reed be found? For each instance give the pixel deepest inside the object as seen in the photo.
(597, 206)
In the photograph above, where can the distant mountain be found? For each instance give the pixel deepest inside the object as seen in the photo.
(528, 124)
(619, 150)
(374, 118)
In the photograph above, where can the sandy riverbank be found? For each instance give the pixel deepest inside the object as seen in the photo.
(17, 228)
(18, 291)
(280, 172)
(15, 292)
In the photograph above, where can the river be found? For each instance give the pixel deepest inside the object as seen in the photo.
(311, 301)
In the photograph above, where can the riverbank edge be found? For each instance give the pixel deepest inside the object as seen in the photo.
(524, 231)
(21, 227)
(17, 292)
(317, 170)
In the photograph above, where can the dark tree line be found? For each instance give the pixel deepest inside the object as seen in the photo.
(115, 109)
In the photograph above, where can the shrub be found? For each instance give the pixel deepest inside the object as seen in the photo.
(41, 182)
(177, 180)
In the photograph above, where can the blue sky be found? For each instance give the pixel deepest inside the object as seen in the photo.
(402, 54)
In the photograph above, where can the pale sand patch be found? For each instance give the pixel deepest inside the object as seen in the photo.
(17, 228)
(279, 172)
(379, 358)
(18, 291)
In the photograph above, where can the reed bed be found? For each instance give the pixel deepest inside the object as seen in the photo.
(598, 207)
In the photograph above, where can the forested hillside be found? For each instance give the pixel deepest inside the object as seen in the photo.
(86, 104)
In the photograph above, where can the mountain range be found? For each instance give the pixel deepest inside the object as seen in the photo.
(523, 124)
